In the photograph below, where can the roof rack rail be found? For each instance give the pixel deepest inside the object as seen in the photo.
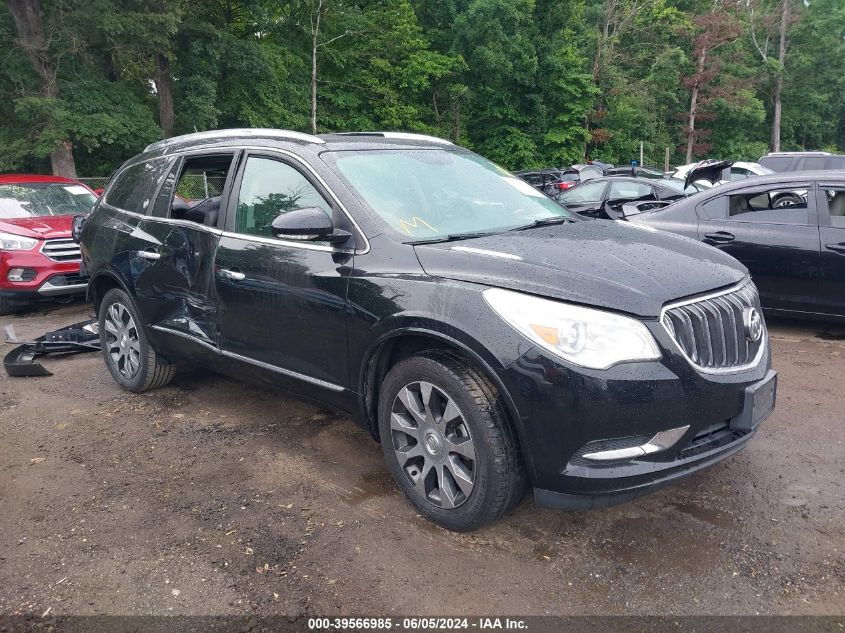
(234, 133)
(408, 136)
(801, 152)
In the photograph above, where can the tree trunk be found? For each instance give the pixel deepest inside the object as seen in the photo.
(778, 109)
(164, 88)
(693, 105)
(29, 23)
(315, 35)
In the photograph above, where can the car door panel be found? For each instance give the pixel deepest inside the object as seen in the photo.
(174, 283)
(282, 303)
(831, 200)
(783, 259)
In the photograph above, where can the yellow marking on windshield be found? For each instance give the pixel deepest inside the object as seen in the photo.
(414, 224)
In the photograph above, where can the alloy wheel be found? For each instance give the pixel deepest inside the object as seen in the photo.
(433, 444)
(122, 342)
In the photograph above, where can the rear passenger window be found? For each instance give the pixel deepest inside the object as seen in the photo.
(812, 163)
(773, 207)
(136, 185)
(836, 206)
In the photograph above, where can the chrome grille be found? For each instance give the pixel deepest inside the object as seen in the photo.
(61, 250)
(710, 330)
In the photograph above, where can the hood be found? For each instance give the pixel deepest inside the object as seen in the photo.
(707, 170)
(42, 226)
(612, 265)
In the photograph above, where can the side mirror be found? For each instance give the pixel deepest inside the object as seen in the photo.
(310, 224)
(76, 227)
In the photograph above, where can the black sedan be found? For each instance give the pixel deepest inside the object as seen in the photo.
(604, 197)
(796, 253)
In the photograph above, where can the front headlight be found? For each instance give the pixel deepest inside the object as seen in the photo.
(11, 242)
(583, 336)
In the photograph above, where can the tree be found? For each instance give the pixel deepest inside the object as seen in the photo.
(773, 24)
(29, 21)
(711, 32)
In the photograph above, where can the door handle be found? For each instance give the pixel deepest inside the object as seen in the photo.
(720, 237)
(836, 248)
(149, 255)
(232, 275)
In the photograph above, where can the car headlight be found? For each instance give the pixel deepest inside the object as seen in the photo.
(583, 336)
(11, 242)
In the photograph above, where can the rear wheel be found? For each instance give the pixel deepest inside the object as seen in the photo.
(448, 442)
(787, 200)
(130, 358)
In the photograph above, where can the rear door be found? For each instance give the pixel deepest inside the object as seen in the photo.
(831, 197)
(174, 279)
(779, 245)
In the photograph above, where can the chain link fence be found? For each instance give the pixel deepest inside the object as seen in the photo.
(191, 187)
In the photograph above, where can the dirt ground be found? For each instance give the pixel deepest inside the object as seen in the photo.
(215, 497)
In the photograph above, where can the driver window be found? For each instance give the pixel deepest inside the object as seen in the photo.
(628, 190)
(269, 188)
(588, 192)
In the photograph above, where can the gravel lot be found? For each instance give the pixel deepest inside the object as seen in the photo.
(215, 497)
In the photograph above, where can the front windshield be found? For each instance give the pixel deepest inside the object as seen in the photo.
(27, 200)
(430, 194)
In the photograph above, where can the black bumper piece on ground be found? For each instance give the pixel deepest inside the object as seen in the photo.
(73, 339)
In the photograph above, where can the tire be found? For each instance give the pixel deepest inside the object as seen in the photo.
(787, 200)
(131, 360)
(457, 459)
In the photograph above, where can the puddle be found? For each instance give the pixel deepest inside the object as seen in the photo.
(378, 483)
(708, 515)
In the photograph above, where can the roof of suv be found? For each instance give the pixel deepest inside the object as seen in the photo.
(328, 141)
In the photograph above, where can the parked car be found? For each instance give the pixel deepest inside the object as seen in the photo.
(38, 259)
(796, 253)
(487, 336)
(726, 171)
(550, 181)
(604, 197)
(802, 161)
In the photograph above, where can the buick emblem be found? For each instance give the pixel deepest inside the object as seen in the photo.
(753, 324)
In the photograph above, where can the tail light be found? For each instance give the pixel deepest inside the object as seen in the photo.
(563, 186)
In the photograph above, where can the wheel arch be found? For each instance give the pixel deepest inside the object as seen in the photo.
(406, 341)
(100, 284)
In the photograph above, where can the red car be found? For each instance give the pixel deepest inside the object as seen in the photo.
(38, 258)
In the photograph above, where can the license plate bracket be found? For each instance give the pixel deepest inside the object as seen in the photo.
(758, 403)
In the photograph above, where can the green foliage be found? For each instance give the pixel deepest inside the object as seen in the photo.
(526, 82)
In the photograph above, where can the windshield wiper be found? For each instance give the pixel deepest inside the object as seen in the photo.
(555, 219)
(452, 237)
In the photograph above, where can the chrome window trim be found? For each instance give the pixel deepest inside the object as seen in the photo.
(715, 370)
(245, 236)
(274, 368)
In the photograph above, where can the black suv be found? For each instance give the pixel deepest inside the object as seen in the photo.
(488, 337)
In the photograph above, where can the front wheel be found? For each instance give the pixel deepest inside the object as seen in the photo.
(131, 360)
(448, 442)
(787, 200)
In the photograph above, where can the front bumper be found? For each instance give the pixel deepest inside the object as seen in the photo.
(44, 277)
(569, 413)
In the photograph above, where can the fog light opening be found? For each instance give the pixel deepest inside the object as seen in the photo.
(659, 442)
